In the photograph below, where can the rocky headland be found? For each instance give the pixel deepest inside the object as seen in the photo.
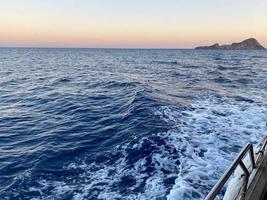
(249, 44)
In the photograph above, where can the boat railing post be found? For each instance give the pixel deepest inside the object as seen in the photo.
(252, 158)
(246, 177)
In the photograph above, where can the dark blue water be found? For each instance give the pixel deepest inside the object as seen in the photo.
(125, 124)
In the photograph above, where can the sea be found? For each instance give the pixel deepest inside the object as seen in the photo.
(130, 124)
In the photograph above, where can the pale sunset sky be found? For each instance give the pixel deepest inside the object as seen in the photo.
(130, 23)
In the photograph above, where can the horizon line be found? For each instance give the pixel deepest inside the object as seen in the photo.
(118, 48)
(55, 47)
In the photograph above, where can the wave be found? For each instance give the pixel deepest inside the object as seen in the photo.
(125, 124)
(183, 162)
(166, 62)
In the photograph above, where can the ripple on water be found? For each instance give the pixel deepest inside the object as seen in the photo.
(125, 124)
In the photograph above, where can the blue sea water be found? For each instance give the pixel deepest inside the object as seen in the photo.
(125, 124)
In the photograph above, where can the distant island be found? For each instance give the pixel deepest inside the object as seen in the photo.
(249, 44)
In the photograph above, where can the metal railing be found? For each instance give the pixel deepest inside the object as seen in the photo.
(260, 153)
(239, 162)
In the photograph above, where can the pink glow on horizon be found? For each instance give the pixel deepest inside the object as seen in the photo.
(115, 42)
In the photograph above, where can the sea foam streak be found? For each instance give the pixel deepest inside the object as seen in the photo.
(181, 163)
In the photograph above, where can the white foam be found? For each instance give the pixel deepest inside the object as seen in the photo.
(201, 143)
(219, 129)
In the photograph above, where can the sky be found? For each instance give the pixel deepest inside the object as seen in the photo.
(130, 23)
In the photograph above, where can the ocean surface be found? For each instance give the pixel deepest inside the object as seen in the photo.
(125, 124)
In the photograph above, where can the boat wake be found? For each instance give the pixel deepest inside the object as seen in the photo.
(181, 163)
